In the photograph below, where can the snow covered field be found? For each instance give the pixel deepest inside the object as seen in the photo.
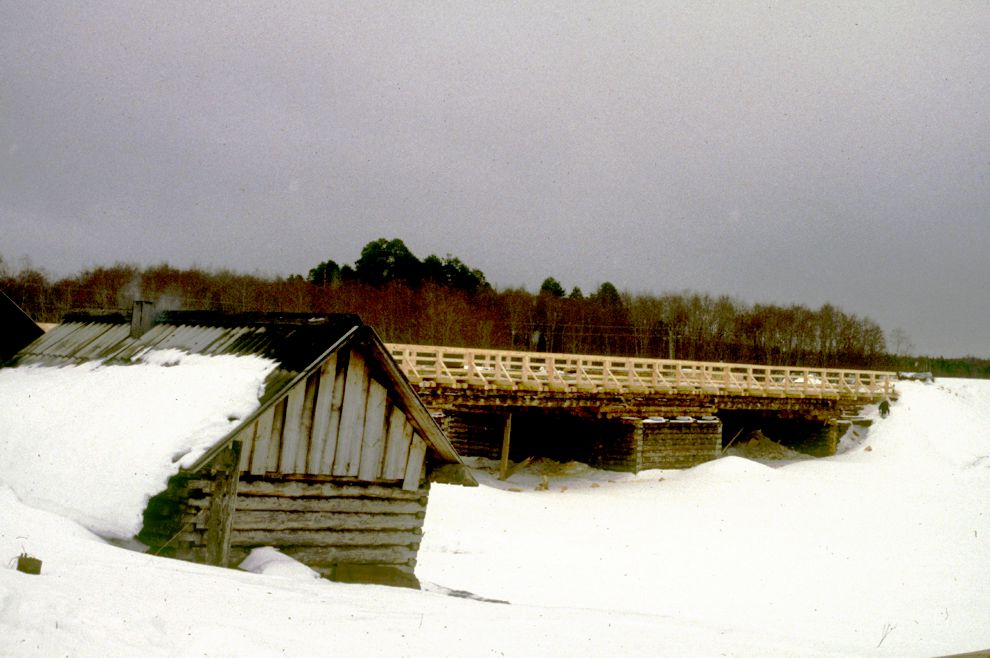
(881, 550)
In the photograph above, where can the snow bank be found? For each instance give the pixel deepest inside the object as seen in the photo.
(272, 562)
(94, 442)
(826, 553)
(880, 551)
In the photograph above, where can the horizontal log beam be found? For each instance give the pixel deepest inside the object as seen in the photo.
(352, 505)
(316, 557)
(324, 521)
(327, 539)
(296, 489)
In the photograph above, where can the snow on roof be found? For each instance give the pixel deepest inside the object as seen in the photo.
(95, 441)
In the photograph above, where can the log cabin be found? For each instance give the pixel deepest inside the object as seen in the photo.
(333, 467)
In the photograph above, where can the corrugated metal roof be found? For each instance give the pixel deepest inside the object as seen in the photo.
(296, 342)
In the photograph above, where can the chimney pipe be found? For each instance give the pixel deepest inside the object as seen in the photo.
(142, 317)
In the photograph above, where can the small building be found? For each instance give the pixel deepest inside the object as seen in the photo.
(333, 467)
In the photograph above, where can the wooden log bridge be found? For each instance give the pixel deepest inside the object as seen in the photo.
(591, 408)
(465, 368)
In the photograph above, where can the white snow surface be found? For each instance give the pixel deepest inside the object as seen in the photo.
(881, 550)
(270, 561)
(93, 442)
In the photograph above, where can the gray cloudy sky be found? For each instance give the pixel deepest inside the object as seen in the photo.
(776, 152)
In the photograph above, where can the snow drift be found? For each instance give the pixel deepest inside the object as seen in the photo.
(94, 442)
(880, 550)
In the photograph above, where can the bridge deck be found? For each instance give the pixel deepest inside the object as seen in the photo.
(466, 368)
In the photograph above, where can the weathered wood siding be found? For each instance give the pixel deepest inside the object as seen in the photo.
(172, 517)
(332, 473)
(341, 421)
(332, 527)
(326, 525)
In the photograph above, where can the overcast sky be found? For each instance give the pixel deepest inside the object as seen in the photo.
(833, 152)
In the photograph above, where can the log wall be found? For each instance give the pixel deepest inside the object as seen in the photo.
(618, 446)
(475, 434)
(346, 531)
(637, 445)
(679, 443)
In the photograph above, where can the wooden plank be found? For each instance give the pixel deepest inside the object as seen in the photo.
(246, 437)
(275, 445)
(325, 555)
(351, 430)
(503, 471)
(262, 440)
(397, 445)
(268, 520)
(318, 490)
(327, 538)
(321, 414)
(353, 504)
(291, 428)
(333, 425)
(373, 442)
(306, 423)
(414, 465)
(220, 517)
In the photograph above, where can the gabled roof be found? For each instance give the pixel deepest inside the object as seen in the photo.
(299, 343)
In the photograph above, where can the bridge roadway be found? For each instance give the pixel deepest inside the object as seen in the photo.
(476, 370)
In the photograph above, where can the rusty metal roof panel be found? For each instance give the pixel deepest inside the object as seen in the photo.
(206, 337)
(220, 345)
(107, 343)
(177, 339)
(49, 339)
(193, 339)
(77, 342)
(58, 340)
(293, 340)
(150, 340)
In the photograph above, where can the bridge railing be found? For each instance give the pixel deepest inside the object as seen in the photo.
(537, 371)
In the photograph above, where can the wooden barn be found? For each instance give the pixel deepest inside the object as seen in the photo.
(334, 466)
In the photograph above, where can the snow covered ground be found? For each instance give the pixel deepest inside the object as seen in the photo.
(881, 550)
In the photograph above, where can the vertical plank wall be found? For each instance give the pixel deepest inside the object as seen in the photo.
(340, 421)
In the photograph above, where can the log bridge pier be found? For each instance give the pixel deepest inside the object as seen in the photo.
(630, 414)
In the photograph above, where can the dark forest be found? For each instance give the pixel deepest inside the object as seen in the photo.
(442, 301)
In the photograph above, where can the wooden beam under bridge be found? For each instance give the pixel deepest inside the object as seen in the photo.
(503, 471)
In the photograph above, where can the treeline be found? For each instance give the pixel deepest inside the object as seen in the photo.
(442, 301)
(969, 367)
